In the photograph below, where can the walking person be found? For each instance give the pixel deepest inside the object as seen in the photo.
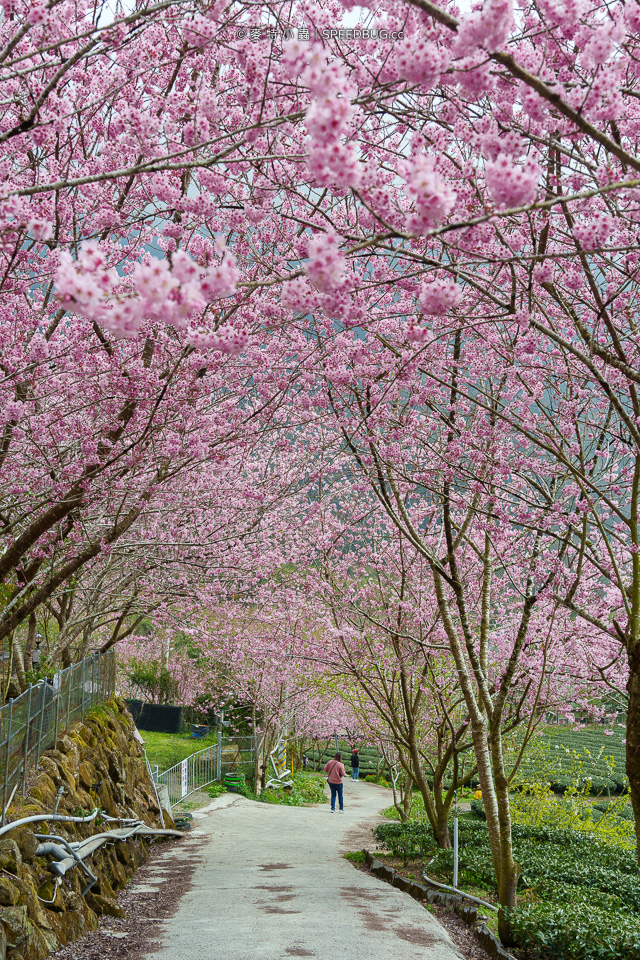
(355, 764)
(335, 772)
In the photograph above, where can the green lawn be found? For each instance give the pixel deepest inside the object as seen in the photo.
(167, 749)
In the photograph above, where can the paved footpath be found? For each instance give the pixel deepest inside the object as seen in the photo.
(271, 884)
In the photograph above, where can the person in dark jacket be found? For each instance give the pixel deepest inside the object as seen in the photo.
(355, 764)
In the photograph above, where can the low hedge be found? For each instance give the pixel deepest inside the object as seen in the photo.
(622, 812)
(579, 896)
(558, 932)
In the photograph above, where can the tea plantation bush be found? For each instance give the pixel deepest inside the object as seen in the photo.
(566, 755)
(622, 812)
(579, 896)
(369, 759)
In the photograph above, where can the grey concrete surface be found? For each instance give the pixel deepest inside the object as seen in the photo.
(270, 883)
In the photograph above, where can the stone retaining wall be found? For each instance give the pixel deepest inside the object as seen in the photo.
(100, 763)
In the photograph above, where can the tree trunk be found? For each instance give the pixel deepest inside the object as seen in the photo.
(495, 796)
(31, 640)
(633, 737)
(406, 800)
(438, 817)
(441, 829)
(18, 665)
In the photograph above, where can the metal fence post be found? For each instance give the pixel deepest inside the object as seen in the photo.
(57, 717)
(219, 756)
(93, 680)
(68, 702)
(99, 681)
(455, 842)
(6, 761)
(41, 720)
(27, 729)
(84, 662)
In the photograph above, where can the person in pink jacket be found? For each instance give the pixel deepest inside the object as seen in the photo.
(335, 772)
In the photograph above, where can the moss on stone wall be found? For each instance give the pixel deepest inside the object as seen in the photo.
(100, 763)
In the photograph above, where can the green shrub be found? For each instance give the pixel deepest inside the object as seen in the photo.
(556, 932)
(245, 790)
(379, 780)
(537, 805)
(586, 760)
(283, 797)
(306, 789)
(216, 790)
(310, 788)
(617, 808)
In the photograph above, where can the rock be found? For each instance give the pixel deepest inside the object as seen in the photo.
(64, 744)
(9, 893)
(104, 905)
(14, 923)
(67, 774)
(401, 883)
(43, 788)
(117, 770)
(10, 856)
(21, 935)
(88, 775)
(50, 893)
(103, 887)
(13, 689)
(26, 840)
(50, 768)
(69, 749)
(125, 856)
(29, 897)
(118, 872)
(3, 944)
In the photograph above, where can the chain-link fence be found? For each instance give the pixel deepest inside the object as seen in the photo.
(30, 724)
(228, 755)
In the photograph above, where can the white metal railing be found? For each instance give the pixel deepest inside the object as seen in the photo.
(206, 766)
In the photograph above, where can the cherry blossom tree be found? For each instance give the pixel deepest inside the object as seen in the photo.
(425, 240)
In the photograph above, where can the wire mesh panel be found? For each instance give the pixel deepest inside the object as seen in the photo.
(237, 755)
(30, 724)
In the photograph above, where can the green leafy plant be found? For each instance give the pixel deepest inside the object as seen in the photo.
(379, 780)
(216, 790)
(306, 789)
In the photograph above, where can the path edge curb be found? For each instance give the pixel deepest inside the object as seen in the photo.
(420, 891)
